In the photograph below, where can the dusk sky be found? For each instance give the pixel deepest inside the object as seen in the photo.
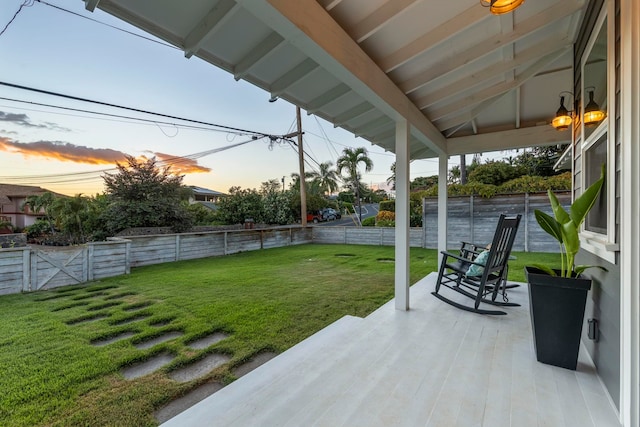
(53, 50)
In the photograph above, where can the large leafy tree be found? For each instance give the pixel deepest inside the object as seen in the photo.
(241, 205)
(142, 194)
(349, 162)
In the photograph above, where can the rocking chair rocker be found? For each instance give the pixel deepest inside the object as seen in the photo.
(478, 274)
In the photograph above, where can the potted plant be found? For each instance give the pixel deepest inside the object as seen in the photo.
(558, 296)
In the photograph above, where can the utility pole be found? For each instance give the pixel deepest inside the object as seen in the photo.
(303, 181)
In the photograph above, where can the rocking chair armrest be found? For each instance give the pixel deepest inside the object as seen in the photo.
(459, 258)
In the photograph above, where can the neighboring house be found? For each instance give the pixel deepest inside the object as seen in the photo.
(12, 198)
(204, 196)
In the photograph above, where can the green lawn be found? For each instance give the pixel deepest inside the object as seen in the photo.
(51, 374)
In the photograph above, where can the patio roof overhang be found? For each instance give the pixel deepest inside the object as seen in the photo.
(466, 81)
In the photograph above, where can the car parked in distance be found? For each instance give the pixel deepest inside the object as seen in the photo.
(330, 214)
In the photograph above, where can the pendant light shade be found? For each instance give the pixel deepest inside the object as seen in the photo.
(592, 112)
(562, 120)
(499, 7)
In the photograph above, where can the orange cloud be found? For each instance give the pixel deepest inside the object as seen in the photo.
(181, 164)
(63, 151)
(67, 152)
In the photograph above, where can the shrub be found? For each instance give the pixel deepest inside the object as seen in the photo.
(385, 223)
(369, 222)
(385, 216)
(388, 205)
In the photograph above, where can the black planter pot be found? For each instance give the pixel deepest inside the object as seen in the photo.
(557, 314)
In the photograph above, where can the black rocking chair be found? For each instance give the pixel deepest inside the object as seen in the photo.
(492, 265)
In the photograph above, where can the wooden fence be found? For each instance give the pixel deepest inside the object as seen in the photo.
(469, 218)
(155, 249)
(474, 219)
(29, 269)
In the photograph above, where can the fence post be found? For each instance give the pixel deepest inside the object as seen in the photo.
(261, 239)
(33, 283)
(424, 222)
(225, 243)
(471, 215)
(90, 263)
(127, 257)
(85, 262)
(526, 222)
(177, 247)
(26, 269)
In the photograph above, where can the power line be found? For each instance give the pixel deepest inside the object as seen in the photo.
(137, 110)
(27, 3)
(107, 25)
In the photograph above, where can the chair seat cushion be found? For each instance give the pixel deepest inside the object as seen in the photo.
(477, 270)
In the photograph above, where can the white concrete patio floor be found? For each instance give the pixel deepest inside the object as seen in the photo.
(434, 365)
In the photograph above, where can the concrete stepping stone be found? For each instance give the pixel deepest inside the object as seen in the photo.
(101, 288)
(120, 295)
(131, 319)
(207, 341)
(185, 402)
(157, 340)
(148, 366)
(86, 319)
(258, 360)
(199, 368)
(161, 322)
(71, 305)
(87, 296)
(110, 340)
(104, 305)
(137, 306)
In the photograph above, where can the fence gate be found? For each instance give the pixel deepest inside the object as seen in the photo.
(58, 267)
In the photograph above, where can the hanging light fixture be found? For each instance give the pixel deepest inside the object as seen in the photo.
(563, 118)
(592, 112)
(499, 7)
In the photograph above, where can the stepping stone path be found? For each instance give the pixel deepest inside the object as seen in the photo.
(148, 366)
(115, 338)
(72, 305)
(183, 403)
(187, 401)
(199, 368)
(104, 305)
(257, 360)
(205, 342)
(118, 296)
(159, 339)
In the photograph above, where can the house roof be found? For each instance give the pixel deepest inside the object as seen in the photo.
(9, 191)
(205, 191)
(466, 81)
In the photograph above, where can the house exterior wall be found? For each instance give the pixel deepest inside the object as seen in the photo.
(604, 300)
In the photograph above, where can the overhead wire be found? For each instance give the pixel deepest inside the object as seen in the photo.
(108, 25)
(26, 3)
(137, 110)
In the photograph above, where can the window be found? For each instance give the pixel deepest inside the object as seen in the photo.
(595, 157)
(597, 142)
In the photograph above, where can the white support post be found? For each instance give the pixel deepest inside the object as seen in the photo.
(402, 216)
(443, 170)
(630, 215)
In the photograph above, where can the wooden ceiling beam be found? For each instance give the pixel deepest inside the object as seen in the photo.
(212, 21)
(379, 18)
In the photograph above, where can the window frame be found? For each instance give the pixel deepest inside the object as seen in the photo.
(602, 245)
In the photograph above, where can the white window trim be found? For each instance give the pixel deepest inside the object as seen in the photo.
(601, 245)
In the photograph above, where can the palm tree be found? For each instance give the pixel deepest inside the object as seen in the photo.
(392, 179)
(327, 179)
(41, 203)
(349, 162)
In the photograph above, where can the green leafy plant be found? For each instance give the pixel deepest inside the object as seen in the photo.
(565, 227)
